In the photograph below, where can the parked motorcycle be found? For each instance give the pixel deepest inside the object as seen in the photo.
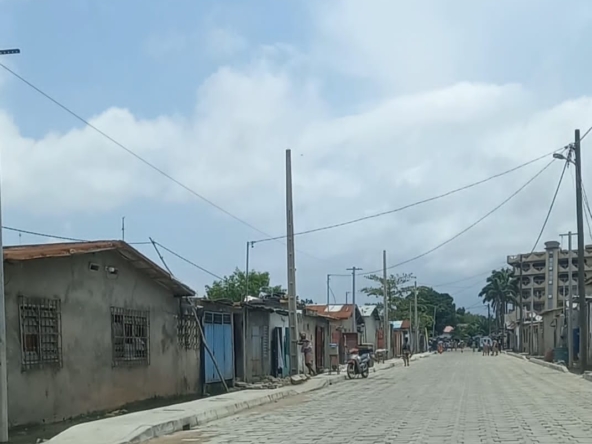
(358, 365)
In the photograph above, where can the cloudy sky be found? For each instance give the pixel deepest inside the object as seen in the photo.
(382, 103)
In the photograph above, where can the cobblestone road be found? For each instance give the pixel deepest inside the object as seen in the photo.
(451, 398)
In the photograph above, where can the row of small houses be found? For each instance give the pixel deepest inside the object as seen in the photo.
(93, 326)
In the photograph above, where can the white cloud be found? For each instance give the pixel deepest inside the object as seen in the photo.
(438, 135)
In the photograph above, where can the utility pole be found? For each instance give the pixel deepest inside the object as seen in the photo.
(328, 290)
(570, 307)
(416, 342)
(346, 297)
(292, 313)
(385, 312)
(530, 338)
(521, 329)
(489, 319)
(569, 303)
(434, 326)
(354, 320)
(581, 264)
(3, 363)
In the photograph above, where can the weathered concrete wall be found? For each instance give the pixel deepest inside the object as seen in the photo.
(87, 381)
(371, 326)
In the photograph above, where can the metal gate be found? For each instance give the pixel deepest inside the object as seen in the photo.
(218, 335)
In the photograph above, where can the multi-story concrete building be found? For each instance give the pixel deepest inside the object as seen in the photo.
(545, 275)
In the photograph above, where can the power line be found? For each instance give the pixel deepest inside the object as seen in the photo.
(184, 259)
(131, 152)
(550, 208)
(588, 213)
(414, 204)
(419, 256)
(49, 236)
(143, 160)
(586, 133)
(445, 284)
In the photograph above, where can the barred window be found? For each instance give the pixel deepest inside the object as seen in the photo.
(41, 332)
(130, 336)
(187, 332)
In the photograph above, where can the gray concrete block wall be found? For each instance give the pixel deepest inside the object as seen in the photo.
(87, 381)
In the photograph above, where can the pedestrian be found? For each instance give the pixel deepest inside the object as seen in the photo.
(306, 350)
(406, 352)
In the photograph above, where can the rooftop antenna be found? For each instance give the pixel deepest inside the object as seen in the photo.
(123, 228)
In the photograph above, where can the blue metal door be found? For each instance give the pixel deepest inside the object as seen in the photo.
(218, 335)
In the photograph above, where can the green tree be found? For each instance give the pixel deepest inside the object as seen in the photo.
(500, 289)
(402, 301)
(234, 287)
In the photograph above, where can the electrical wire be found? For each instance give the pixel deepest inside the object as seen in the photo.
(49, 236)
(144, 161)
(550, 207)
(131, 152)
(481, 219)
(588, 212)
(586, 133)
(414, 204)
(184, 259)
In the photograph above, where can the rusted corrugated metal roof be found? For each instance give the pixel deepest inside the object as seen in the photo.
(401, 325)
(129, 253)
(340, 312)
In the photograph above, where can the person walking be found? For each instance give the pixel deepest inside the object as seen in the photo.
(406, 352)
(306, 350)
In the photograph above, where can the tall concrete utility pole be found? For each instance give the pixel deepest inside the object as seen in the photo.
(531, 336)
(521, 328)
(570, 308)
(3, 370)
(354, 320)
(416, 342)
(581, 263)
(385, 312)
(569, 303)
(489, 319)
(292, 313)
(328, 290)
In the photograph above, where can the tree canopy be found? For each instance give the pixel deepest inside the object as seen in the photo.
(401, 301)
(234, 287)
(501, 289)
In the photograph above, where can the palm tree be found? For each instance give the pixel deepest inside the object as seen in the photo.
(501, 288)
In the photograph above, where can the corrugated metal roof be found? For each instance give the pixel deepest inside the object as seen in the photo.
(335, 311)
(448, 329)
(129, 253)
(400, 325)
(369, 311)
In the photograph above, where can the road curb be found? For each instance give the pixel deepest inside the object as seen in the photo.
(557, 367)
(516, 355)
(135, 428)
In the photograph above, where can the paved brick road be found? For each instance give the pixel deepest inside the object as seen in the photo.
(452, 398)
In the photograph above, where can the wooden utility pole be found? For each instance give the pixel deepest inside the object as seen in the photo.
(292, 309)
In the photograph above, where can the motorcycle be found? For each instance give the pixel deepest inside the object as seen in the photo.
(358, 365)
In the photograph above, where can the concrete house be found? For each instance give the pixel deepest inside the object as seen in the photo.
(92, 326)
(372, 330)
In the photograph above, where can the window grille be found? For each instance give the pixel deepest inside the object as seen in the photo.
(187, 332)
(41, 332)
(130, 335)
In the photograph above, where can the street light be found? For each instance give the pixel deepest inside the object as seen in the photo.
(3, 373)
(575, 151)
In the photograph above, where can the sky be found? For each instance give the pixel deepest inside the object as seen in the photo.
(382, 103)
